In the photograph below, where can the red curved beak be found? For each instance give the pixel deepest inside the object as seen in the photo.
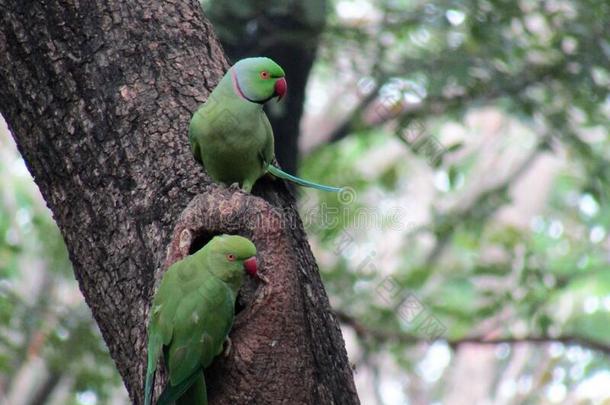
(250, 266)
(280, 88)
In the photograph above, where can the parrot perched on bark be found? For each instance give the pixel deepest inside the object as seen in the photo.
(230, 134)
(191, 315)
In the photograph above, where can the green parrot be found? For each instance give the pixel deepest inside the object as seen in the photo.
(230, 134)
(192, 313)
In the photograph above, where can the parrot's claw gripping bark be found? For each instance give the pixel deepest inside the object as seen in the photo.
(234, 186)
(227, 349)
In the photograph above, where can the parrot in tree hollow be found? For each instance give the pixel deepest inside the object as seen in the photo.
(230, 134)
(191, 315)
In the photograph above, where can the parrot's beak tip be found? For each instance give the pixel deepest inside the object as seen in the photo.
(280, 88)
(250, 266)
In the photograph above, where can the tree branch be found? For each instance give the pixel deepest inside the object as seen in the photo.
(386, 336)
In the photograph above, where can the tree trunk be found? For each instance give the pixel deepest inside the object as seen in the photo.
(98, 95)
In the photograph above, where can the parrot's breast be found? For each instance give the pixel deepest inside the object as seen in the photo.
(231, 144)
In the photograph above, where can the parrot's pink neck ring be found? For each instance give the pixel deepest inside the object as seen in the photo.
(237, 87)
(240, 93)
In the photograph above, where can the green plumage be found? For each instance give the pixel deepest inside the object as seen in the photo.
(230, 134)
(191, 316)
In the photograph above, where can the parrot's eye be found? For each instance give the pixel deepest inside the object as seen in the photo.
(231, 257)
(264, 74)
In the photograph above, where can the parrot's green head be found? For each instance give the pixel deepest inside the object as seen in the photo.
(258, 80)
(230, 256)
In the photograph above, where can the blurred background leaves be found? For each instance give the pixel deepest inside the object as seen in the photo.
(474, 135)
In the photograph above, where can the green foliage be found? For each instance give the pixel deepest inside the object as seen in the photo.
(514, 93)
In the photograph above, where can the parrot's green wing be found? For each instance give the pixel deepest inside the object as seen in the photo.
(203, 320)
(160, 326)
(192, 314)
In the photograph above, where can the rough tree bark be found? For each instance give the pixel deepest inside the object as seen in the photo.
(98, 95)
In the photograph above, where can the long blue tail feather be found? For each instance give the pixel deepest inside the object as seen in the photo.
(277, 172)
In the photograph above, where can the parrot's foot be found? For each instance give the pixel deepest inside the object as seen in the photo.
(234, 187)
(227, 349)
